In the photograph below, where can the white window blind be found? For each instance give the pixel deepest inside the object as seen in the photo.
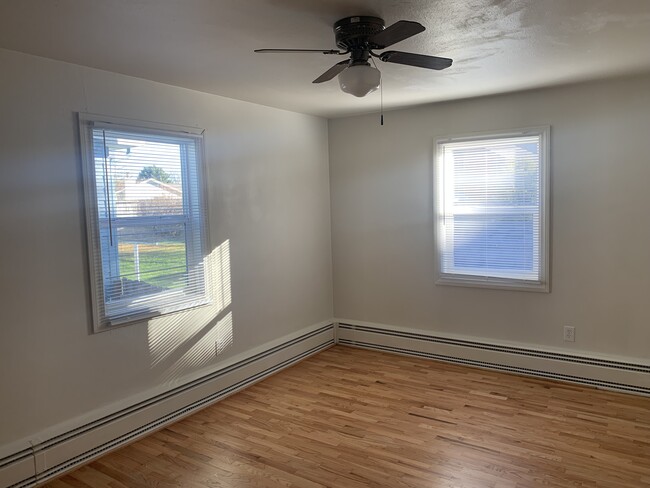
(146, 219)
(491, 209)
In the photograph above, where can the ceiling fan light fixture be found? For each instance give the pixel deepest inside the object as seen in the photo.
(359, 79)
(360, 36)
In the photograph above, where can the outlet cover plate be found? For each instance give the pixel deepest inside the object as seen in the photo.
(569, 333)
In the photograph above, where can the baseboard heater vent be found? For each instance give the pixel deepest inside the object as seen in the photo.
(258, 367)
(601, 373)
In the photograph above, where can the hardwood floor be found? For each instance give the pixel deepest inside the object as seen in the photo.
(354, 418)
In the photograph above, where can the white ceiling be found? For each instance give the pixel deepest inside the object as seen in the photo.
(207, 45)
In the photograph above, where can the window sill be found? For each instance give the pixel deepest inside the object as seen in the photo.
(494, 283)
(145, 316)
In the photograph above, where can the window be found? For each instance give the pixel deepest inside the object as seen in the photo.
(491, 210)
(145, 217)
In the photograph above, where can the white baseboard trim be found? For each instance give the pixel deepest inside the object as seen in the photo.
(610, 374)
(64, 452)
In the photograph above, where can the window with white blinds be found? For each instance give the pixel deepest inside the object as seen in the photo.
(492, 223)
(146, 220)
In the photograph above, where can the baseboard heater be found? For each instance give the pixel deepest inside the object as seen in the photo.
(601, 373)
(46, 460)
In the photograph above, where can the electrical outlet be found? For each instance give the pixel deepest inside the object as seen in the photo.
(569, 333)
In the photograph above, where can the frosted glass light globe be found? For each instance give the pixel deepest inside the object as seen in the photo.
(359, 79)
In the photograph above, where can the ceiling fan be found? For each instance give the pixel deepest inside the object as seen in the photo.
(359, 37)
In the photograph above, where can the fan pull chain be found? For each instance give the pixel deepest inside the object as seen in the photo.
(381, 99)
(381, 93)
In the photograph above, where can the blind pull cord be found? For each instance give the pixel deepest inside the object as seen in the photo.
(107, 190)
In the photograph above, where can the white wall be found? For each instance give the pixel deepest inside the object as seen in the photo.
(268, 199)
(382, 220)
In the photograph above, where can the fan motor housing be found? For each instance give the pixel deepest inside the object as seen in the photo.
(352, 33)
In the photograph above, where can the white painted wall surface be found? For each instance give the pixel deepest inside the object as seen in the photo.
(268, 194)
(382, 220)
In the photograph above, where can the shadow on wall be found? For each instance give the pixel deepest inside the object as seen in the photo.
(182, 342)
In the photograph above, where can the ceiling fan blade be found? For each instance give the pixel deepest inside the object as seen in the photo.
(332, 72)
(395, 33)
(419, 60)
(322, 51)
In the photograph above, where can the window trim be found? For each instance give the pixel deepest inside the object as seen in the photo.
(543, 285)
(87, 122)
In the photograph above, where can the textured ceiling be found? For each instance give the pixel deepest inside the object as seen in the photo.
(207, 45)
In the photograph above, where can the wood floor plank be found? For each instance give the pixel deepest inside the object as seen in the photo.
(353, 418)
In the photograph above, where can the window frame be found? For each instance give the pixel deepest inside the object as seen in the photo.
(476, 281)
(88, 122)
